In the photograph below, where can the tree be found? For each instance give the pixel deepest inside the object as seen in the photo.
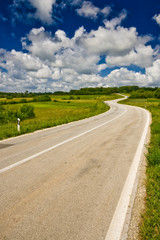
(157, 93)
(43, 98)
(27, 111)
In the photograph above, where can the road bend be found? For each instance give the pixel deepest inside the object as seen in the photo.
(64, 183)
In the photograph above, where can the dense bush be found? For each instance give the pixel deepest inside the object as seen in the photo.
(27, 111)
(23, 100)
(142, 94)
(12, 102)
(42, 98)
(157, 93)
(9, 97)
(7, 116)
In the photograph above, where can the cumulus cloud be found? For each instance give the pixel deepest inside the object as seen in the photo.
(44, 45)
(157, 18)
(115, 21)
(141, 56)
(123, 77)
(43, 9)
(88, 10)
(154, 72)
(23, 61)
(46, 11)
(58, 62)
(117, 41)
(61, 51)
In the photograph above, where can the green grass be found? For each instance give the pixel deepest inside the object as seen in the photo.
(58, 111)
(150, 226)
(85, 97)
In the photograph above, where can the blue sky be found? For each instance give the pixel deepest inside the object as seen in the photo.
(61, 45)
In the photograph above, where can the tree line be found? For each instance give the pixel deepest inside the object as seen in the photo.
(135, 92)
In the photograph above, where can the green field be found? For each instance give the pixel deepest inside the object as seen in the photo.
(62, 109)
(150, 227)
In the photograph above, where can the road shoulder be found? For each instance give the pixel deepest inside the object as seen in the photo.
(139, 205)
(138, 208)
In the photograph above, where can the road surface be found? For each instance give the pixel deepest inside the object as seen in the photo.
(64, 183)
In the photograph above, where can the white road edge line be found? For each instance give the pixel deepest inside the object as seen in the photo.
(57, 145)
(117, 223)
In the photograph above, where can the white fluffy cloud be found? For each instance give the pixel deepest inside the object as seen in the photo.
(43, 9)
(110, 41)
(157, 18)
(124, 77)
(115, 21)
(57, 62)
(88, 10)
(23, 61)
(29, 10)
(141, 56)
(47, 10)
(44, 45)
(154, 72)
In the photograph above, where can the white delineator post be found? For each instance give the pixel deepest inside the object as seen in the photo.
(18, 124)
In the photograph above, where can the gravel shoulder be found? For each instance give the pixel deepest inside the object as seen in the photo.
(139, 205)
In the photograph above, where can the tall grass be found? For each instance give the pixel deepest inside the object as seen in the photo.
(56, 112)
(150, 226)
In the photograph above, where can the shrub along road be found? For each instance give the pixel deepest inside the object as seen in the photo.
(65, 182)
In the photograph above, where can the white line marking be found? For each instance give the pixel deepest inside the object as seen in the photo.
(57, 145)
(116, 226)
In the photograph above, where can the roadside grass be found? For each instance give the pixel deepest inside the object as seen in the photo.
(150, 226)
(62, 109)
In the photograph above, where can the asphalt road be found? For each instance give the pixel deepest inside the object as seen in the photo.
(64, 183)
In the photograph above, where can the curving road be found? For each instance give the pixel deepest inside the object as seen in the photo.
(65, 183)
